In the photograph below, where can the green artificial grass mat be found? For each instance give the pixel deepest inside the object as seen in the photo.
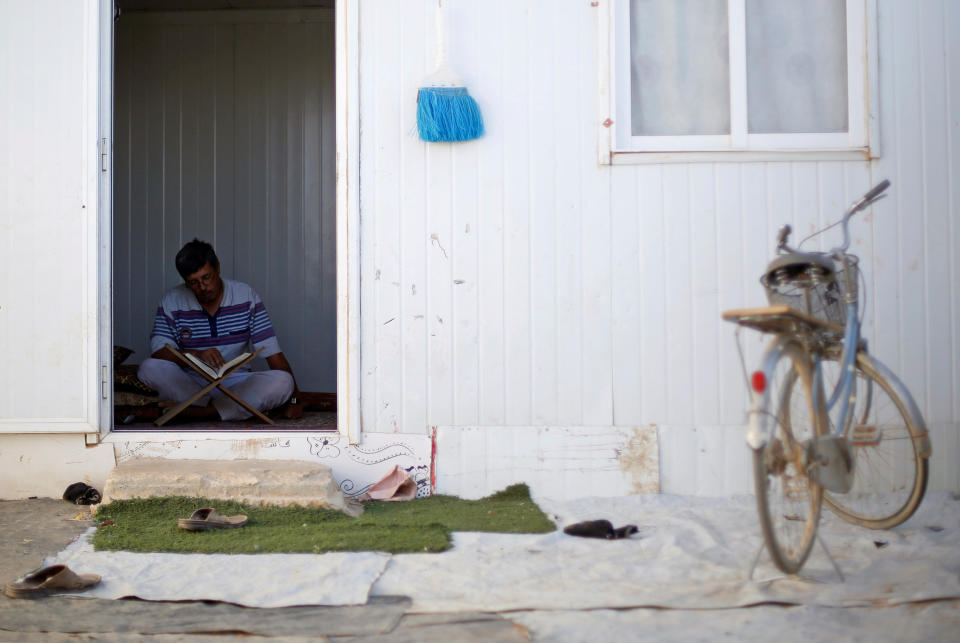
(421, 525)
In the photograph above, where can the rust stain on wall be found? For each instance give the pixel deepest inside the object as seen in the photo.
(249, 449)
(640, 460)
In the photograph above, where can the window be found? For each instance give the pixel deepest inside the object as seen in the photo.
(737, 76)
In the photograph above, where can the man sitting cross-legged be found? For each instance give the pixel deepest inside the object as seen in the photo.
(216, 320)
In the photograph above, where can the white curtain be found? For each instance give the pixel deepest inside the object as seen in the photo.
(796, 66)
(679, 67)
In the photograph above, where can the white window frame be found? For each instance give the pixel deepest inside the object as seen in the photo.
(618, 146)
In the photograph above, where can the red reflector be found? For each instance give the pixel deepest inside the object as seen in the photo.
(759, 381)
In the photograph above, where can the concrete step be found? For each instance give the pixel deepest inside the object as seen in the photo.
(256, 482)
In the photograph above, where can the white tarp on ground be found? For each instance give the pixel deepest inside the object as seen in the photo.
(690, 553)
(261, 580)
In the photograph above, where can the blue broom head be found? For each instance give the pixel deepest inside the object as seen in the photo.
(447, 114)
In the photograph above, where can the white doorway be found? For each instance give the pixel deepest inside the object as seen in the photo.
(225, 127)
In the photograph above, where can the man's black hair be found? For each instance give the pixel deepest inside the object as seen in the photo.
(193, 256)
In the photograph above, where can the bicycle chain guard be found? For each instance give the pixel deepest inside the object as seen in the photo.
(831, 463)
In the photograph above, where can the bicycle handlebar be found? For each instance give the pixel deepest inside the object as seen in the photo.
(876, 191)
(874, 194)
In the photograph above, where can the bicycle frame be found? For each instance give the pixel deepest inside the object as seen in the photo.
(760, 428)
(845, 393)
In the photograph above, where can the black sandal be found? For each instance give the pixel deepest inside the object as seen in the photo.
(80, 493)
(599, 529)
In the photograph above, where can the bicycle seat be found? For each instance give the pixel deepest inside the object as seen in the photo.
(792, 265)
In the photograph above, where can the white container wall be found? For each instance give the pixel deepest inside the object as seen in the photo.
(513, 281)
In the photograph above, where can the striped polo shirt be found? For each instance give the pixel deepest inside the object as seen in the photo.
(240, 322)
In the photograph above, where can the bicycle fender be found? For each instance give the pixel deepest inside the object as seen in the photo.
(759, 425)
(756, 435)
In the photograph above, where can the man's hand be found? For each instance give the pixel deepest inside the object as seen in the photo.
(211, 356)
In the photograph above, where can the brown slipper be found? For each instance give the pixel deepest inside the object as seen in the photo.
(50, 580)
(206, 519)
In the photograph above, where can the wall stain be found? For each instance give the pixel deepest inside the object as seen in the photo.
(640, 460)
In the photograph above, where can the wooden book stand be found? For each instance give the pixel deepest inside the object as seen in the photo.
(214, 382)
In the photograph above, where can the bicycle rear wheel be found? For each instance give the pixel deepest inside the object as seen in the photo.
(788, 501)
(890, 472)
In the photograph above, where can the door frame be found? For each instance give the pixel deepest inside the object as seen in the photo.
(347, 17)
(99, 139)
(99, 34)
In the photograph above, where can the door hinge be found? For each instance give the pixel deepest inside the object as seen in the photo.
(103, 155)
(103, 382)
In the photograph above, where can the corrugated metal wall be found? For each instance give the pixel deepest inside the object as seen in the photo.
(916, 232)
(513, 281)
(225, 131)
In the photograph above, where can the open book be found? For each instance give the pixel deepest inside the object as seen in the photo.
(216, 372)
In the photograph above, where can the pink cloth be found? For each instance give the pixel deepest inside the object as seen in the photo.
(395, 486)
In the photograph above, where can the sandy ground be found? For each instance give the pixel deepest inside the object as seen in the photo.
(683, 577)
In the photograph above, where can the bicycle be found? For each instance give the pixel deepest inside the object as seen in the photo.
(858, 442)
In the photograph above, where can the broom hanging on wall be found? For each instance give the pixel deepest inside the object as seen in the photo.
(445, 111)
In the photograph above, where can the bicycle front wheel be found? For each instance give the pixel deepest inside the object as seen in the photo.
(788, 501)
(890, 471)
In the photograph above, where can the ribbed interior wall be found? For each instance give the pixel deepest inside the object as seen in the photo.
(514, 281)
(225, 131)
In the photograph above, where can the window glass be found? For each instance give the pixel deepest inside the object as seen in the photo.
(679, 67)
(796, 66)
